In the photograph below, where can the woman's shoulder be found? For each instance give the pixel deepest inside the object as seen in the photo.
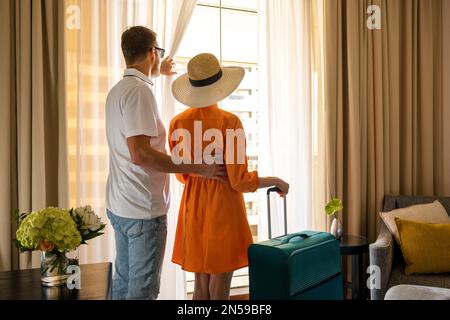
(181, 116)
(230, 118)
(226, 118)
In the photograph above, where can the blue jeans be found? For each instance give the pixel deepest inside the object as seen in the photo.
(140, 246)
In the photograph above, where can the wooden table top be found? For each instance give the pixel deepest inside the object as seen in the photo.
(96, 284)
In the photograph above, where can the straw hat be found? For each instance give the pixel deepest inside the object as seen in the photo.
(206, 82)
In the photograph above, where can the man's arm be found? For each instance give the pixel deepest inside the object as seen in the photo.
(143, 155)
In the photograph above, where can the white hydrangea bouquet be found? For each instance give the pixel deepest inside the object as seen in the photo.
(55, 232)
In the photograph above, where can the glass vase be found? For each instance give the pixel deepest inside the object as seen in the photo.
(337, 229)
(54, 266)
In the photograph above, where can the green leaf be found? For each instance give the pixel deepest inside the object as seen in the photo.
(92, 235)
(334, 206)
(16, 216)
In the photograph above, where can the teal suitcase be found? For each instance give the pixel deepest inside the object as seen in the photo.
(300, 266)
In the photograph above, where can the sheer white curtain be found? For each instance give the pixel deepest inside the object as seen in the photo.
(95, 65)
(170, 31)
(290, 111)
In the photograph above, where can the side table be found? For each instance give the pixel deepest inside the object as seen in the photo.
(356, 247)
(26, 285)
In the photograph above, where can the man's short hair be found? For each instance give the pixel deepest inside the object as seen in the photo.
(136, 42)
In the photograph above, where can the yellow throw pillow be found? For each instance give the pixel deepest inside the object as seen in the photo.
(425, 246)
(426, 213)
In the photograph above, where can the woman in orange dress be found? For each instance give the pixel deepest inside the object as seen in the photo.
(212, 234)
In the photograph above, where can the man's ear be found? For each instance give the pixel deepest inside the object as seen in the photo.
(152, 53)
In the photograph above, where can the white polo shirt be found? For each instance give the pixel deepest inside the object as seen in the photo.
(131, 110)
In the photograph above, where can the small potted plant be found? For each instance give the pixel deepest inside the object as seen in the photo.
(332, 208)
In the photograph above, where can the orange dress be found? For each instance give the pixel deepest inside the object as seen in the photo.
(212, 233)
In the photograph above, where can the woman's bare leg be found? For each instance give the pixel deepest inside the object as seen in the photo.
(219, 286)
(201, 290)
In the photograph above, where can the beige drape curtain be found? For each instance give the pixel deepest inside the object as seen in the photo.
(33, 161)
(386, 104)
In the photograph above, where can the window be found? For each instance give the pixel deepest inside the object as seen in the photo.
(95, 64)
(229, 29)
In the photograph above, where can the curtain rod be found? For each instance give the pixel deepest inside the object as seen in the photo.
(227, 8)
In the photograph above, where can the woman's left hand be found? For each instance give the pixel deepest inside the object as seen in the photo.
(283, 186)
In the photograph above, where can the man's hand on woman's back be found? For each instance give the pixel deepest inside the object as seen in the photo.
(215, 171)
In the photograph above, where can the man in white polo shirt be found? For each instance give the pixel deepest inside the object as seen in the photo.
(137, 192)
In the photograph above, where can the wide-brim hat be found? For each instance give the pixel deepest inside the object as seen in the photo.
(206, 82)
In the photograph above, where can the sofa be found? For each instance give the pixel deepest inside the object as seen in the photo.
(386, 253)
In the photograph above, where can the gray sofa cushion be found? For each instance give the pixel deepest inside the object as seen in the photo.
(433, 280)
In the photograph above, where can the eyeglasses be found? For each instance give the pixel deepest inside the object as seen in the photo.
(161, 51)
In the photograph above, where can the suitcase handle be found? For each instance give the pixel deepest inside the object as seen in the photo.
(269, 191)
(274, 189)
(288, 238)
(304, 235)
